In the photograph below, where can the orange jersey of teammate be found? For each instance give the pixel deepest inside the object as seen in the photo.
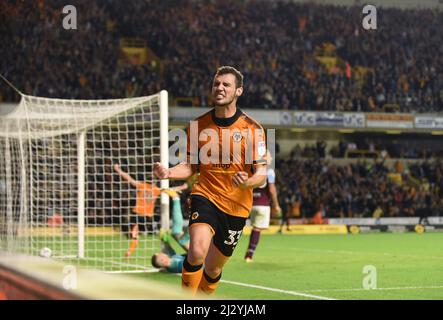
(244, 142)
(147, 194)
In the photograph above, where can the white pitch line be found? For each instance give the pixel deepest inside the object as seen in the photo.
(292, 293)
(141, 268)
(135, 271)
(376, 289)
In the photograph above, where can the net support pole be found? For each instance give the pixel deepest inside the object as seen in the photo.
(9, 197)
(81, 194)
(24, 217)
(164, 158)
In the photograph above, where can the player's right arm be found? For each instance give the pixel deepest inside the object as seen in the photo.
(181, 171)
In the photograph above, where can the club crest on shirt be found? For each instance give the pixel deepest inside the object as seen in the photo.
(237, 136)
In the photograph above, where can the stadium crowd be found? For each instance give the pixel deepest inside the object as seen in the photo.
(273, 43)
(363, 189)
(368, 148)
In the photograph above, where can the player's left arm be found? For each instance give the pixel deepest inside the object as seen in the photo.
(273, 191)
(241, 179)
(181, 187)
(274, 198)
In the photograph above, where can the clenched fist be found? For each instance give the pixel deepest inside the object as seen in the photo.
(239, 179)
(160, 171)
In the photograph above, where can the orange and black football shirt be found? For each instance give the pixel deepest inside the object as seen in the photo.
(221, 147)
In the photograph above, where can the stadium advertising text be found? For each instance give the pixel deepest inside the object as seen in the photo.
(380, 120)
(354, 120)
(325, 119)
(428, 122)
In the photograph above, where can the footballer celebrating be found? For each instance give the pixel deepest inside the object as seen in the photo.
(222, 198)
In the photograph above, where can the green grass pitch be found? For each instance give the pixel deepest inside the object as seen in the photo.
(407, 265)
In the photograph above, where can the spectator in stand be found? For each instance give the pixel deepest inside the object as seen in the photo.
(358, 189)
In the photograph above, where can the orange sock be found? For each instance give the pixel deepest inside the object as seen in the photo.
(191, 276)
(132, 247)
(134, 231)
(208, 284)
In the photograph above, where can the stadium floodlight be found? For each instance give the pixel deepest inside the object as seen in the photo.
(58, 188)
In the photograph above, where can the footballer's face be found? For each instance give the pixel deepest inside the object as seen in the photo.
(163, 260)
(224, 90)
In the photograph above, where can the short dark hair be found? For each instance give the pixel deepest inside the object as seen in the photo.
(231, 70)
(154, 261)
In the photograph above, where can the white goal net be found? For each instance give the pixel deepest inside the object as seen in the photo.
(76, 177)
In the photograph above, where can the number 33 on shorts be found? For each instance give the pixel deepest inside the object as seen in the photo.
(233, 237)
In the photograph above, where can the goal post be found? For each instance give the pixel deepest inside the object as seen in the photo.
(81, 137)
(59, 188)
(164, 157)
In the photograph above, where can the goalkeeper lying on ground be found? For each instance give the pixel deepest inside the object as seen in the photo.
(168, 259)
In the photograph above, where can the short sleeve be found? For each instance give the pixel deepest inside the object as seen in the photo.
(259, 146)
(271, 176)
